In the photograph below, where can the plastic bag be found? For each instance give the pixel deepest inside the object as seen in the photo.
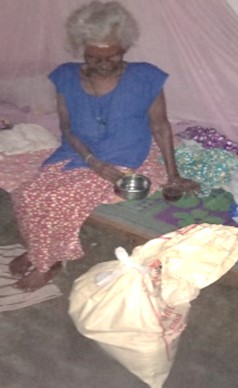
(136, 307)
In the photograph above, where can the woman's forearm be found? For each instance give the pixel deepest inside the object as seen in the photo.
(164, 140)
(79, 147)
(65, 127)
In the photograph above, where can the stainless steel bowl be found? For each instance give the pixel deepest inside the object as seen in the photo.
(133, 186)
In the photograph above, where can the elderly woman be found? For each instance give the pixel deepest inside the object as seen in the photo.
(109, 111)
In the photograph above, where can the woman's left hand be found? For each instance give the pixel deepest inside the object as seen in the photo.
(187, 185)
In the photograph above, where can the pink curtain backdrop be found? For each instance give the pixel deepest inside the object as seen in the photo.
(195, 41)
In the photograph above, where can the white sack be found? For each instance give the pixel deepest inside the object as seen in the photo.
(136, 310)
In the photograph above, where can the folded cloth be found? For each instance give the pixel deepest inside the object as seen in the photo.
(26, 138)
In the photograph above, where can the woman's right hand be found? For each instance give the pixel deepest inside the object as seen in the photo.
(105, 170)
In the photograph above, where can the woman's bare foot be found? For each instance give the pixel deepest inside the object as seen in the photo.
(36, 279)
(19, 265)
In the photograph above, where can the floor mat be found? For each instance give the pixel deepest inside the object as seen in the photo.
(12, 298)
(154, 215)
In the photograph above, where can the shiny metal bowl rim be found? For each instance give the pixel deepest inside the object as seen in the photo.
(133, 193)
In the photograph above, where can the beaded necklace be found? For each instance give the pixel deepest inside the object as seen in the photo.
(100, 113)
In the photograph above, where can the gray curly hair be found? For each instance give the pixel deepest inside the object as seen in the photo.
(97, 22)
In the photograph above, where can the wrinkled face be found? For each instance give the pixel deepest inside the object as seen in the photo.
(104, 60)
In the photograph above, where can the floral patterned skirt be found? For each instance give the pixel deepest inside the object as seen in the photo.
(51, 207)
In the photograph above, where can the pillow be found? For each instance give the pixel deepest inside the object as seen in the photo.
(35, 93)
(24, 138)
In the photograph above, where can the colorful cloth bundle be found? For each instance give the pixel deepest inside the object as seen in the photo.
(209, 138)
(211, 168)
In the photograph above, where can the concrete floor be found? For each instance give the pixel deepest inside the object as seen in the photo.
(40, 346)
